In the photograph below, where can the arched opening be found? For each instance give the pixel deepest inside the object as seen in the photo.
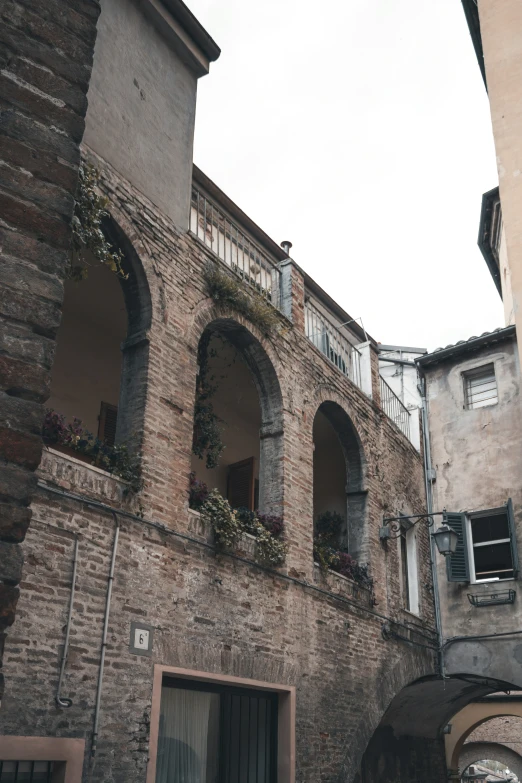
(338, 491)
(100, 367)
(490, 763)
(495, 739)
(243, 407)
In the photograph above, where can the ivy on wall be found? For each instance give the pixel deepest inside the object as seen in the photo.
(225, 290)
(230, 524)
(88, 239)
(206, 441)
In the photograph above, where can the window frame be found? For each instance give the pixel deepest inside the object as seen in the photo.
(475, 371)
(410, 590)
(506, 510)
(67, 754)
(286, 695)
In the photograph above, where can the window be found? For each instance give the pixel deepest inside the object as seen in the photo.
(410, 581)
(107, 423)
(214, 733)
(480, 387)
(486, 549)
(27, 771)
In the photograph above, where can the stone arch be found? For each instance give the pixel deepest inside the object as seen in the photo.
(258, 355)
(407, 743)
(354, 504)
(473, 752)
(482, 714)
(135, 347)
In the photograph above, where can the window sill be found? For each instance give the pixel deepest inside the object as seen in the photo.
(70, 473)
(347, 587)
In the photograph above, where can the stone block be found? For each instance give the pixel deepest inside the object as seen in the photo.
(11, 563)
(8, 599)
(36, 134)
(21, 214)
(20, 448)
(48, 259)
(20, 415)
(42, 315)
(14, 521)
(17, 484)
(22, 379)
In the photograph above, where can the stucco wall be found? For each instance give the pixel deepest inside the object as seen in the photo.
(478, 462)
(142, 103)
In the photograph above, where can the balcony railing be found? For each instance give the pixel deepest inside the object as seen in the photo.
(229, 243)
(333, 344)
(394, 408)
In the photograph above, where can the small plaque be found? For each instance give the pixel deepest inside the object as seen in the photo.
(141, 638)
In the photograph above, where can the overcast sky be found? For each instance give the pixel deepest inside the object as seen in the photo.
(360, 131)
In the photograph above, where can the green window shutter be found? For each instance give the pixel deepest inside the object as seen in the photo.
(513, 536)
(457, 565)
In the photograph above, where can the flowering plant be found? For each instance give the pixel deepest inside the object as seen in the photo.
(114, 459)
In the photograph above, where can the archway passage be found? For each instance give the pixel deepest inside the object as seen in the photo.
(100, 367)
(245, 402)
(87, 366)
(338, 476)
(490, 756)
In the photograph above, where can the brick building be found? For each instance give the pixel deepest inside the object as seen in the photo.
(140, 650)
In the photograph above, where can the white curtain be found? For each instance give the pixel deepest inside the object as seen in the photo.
(186, 736)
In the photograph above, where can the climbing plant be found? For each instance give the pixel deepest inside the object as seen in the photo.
(224, 289)
(230, 524)
(88, 239)
(206, 441)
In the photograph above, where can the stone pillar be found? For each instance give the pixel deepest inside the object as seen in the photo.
(292, 293)
(46, 51)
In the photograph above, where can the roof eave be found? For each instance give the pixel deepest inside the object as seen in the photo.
(467, 347)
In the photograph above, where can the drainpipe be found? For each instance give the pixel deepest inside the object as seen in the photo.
(428, 479)
(61, 702)
(104, 636)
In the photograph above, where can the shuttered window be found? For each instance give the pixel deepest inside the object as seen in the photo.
(107, 423)
(487, 547)
(480, 387)
(27, 771)
(240, 485)
(457, 564)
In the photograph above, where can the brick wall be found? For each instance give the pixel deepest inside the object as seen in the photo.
(213, 613)
(45, 61)
(506, 730)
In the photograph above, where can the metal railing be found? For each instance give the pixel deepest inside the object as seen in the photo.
(229, 243)
(333, 344)
(394, 408)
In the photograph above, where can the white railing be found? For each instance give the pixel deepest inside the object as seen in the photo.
(229, 243)
(394, 408)
(333, 344)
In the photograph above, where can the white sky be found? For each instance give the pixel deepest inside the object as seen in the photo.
(360, 131)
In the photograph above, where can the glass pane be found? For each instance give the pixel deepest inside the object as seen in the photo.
(8, 771)
(24, 771)
(188, 737)
(41, 771)
(490, 528)
(493, 561)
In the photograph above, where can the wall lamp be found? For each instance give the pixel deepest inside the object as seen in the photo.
(444, 536)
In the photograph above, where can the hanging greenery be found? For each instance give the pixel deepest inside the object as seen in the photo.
(73, 436)
(87, 236)
(224, 289)
(206, 441)
(327, 534)
(229, 525)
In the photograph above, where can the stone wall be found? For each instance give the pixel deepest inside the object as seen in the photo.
(46, 54)
(389, 759)
(506, 730)
(210, 612)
